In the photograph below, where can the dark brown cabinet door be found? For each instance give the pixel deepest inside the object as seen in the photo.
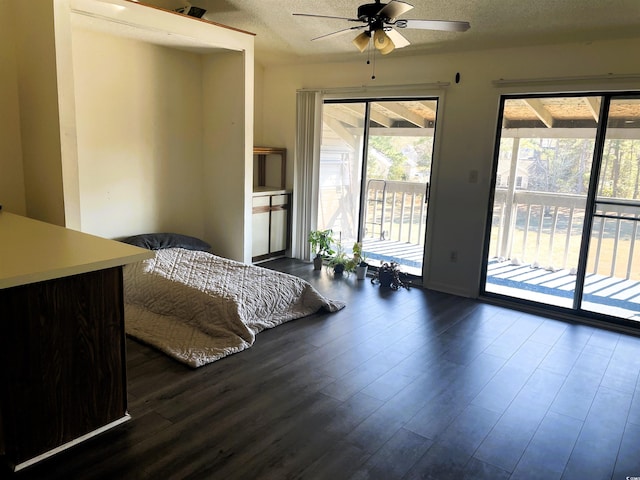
(62, 361)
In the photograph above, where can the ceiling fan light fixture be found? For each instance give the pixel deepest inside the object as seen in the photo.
(362, 41)
(380, 21)
(381, 40)
(389, 48)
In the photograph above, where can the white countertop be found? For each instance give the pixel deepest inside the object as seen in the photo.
(33, 251)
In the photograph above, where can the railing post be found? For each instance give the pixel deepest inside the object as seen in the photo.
(384, 208)
(509, 210)
(392, 214)
(632, 246)
(402, 208)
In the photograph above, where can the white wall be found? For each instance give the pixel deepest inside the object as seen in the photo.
(258, 111)
(113, 129)
(467, 126)
(12, 193)
(39, 113)
(165, 134)
(139, 126)
(228, 143)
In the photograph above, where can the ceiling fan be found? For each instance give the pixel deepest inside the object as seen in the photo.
(378, 19)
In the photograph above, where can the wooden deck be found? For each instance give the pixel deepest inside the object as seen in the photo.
(408, 255)
(608, 295)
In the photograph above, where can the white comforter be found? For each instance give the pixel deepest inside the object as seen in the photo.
(198, 307)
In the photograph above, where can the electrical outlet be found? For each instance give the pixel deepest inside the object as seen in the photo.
(453, 256)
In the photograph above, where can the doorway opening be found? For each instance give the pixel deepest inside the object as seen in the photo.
(375, 171)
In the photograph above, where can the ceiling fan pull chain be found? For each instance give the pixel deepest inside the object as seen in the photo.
(373, 69)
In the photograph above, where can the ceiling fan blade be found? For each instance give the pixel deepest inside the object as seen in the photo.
(394, 9)
(398, 40)
(445, 25)
(339, 32)
(326, 16)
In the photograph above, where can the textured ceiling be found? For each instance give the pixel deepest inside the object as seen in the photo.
(282, 37)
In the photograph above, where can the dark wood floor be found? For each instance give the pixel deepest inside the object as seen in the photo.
(399, 385)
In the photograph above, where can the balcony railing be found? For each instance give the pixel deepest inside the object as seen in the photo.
(535, 228)
(394, 223)
(535, 242)
(395, 211)
(545, 230)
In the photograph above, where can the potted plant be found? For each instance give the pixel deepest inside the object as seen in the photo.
(388, 275)
(341, 262)
(321, 241)
(360, 261)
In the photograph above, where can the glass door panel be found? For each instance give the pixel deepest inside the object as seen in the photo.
(386, 208)
(612, 281)
(341, 169)
(398, 171)
(544, 166)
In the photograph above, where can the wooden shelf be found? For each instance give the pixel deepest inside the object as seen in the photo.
(263, 153)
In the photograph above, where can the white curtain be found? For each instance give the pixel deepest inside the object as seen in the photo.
(306, 170)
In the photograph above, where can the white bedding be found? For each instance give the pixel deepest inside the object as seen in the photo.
(198, 307)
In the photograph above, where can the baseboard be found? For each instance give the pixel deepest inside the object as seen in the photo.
(70, 444)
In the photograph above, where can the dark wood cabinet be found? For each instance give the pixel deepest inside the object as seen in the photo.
(62, 339)
(62, 350)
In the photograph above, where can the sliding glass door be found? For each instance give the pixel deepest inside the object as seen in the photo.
(375, 168)
(540, 196)
(565, 204)
(612, 277)
(341, 161)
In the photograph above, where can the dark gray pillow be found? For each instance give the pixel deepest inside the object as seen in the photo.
(158, 241)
